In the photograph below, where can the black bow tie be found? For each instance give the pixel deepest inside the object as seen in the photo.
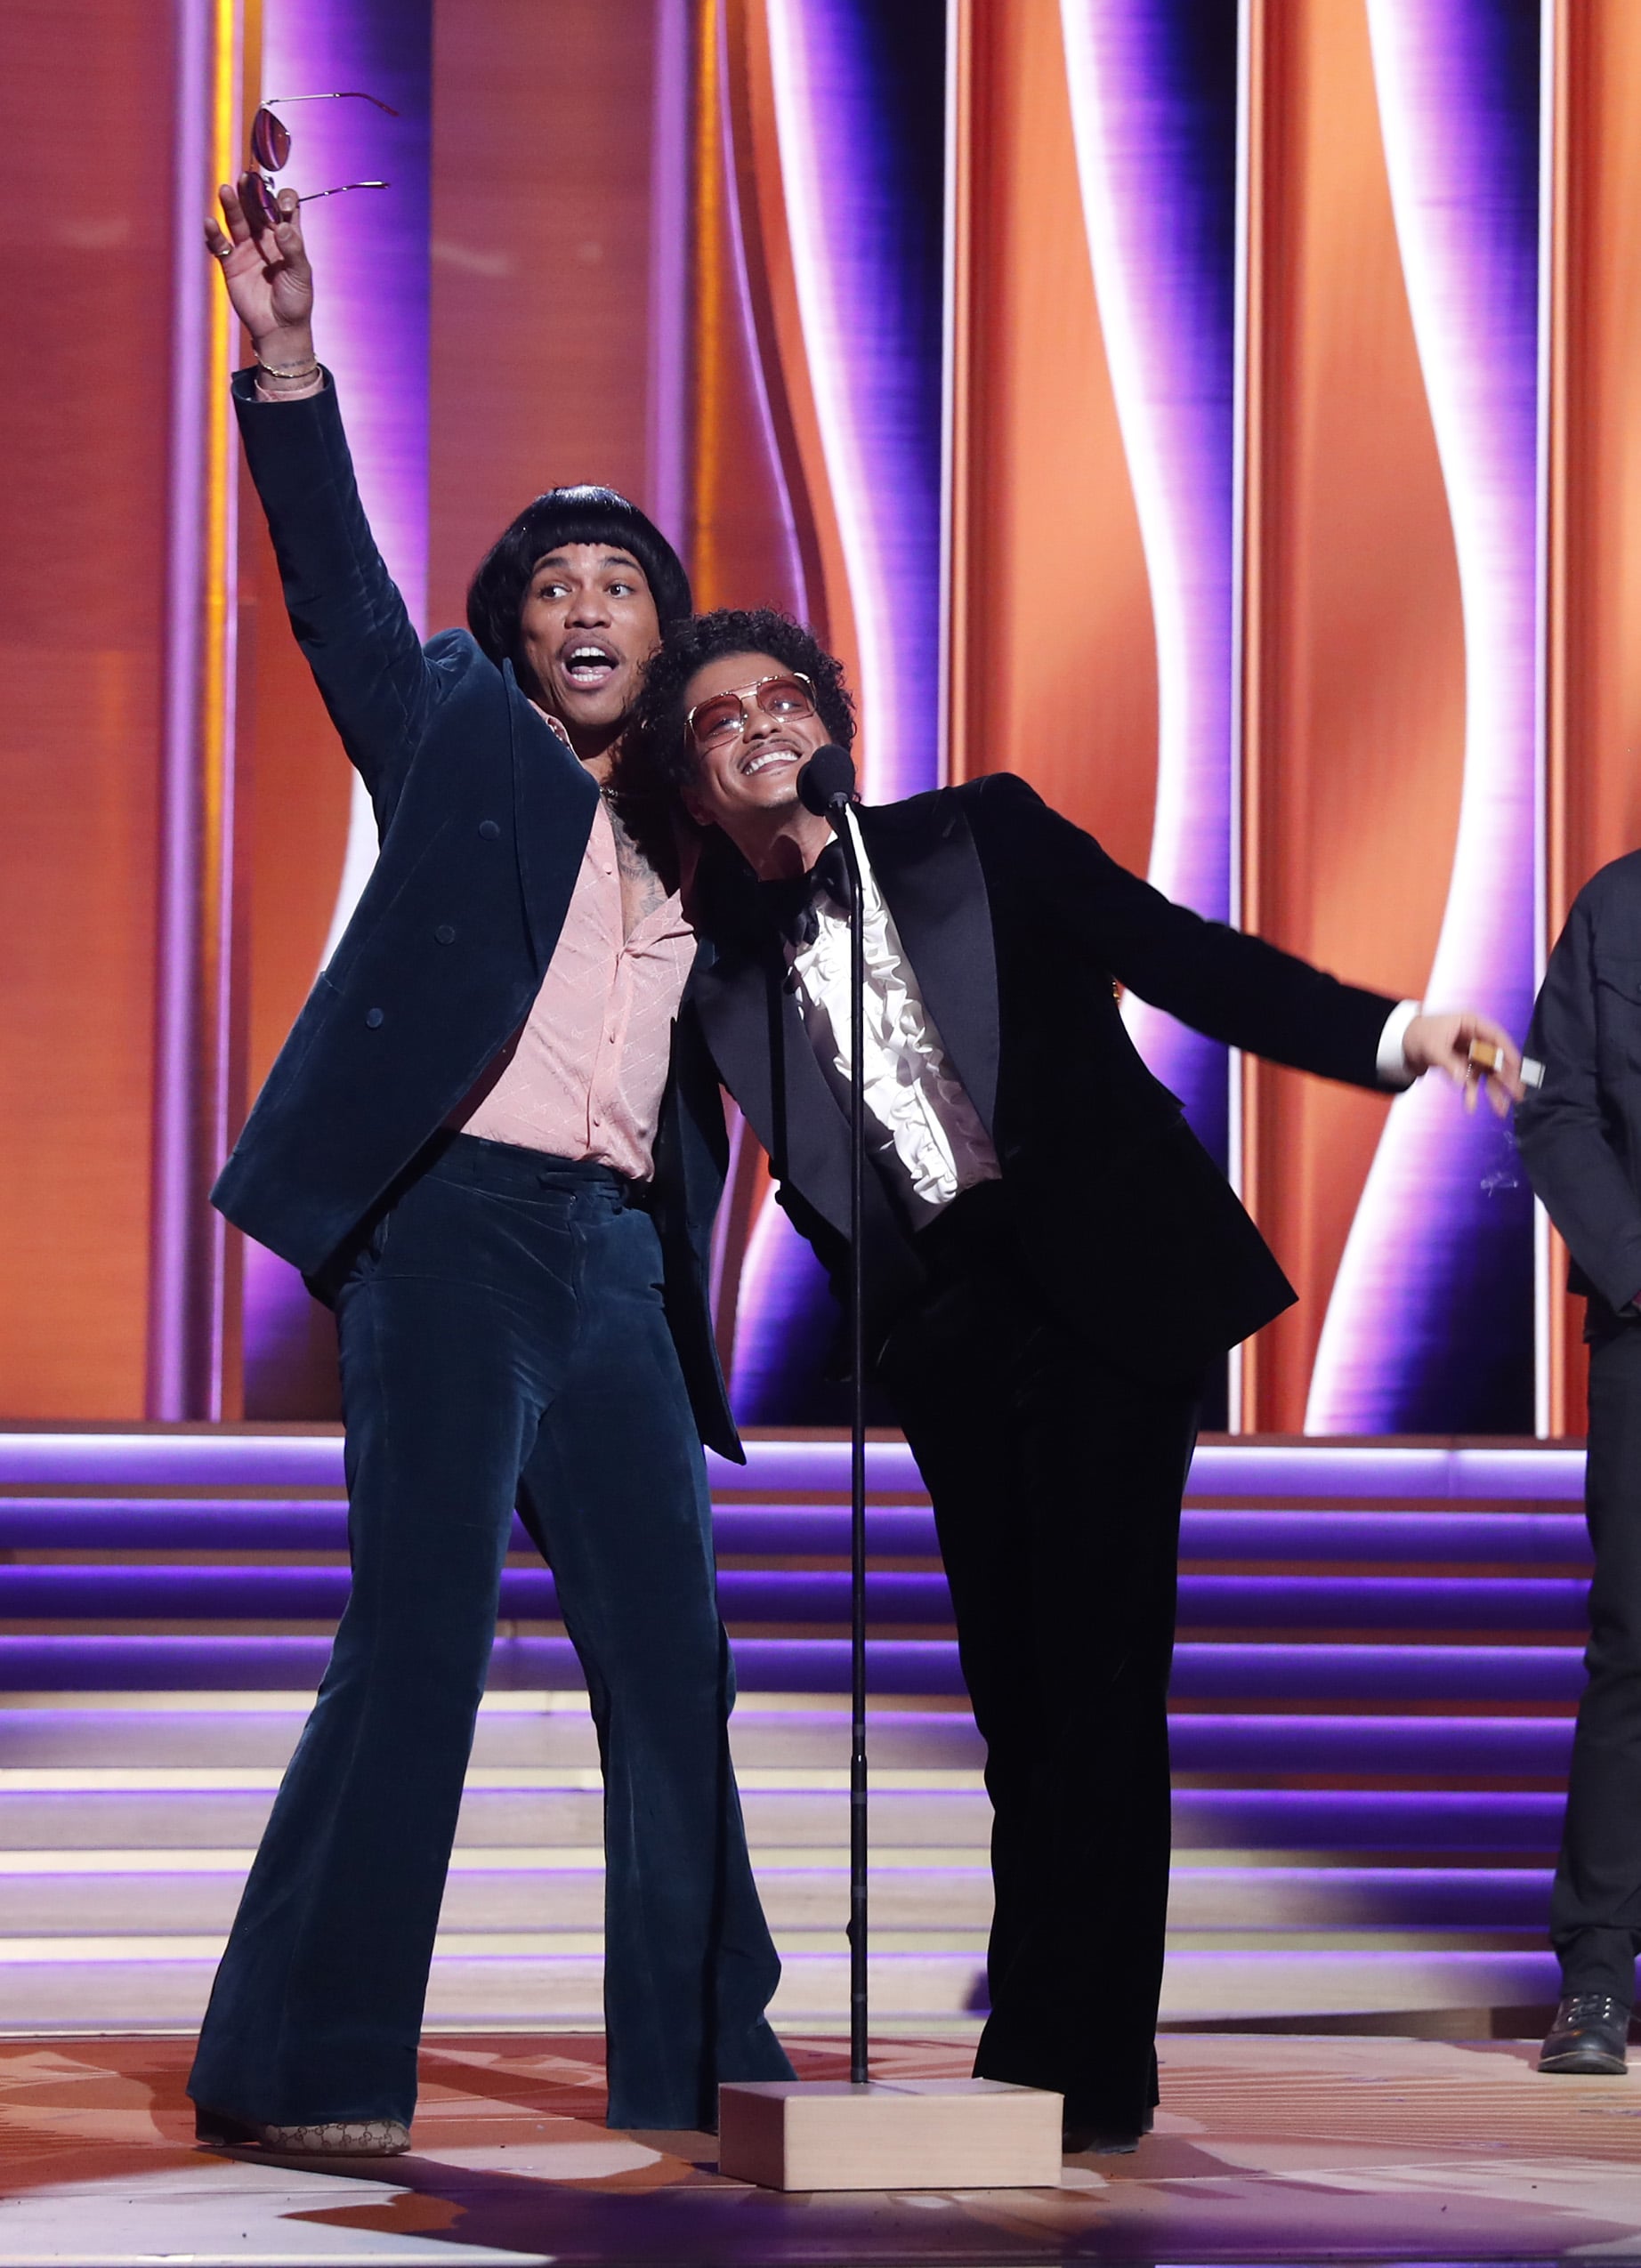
(791, 904)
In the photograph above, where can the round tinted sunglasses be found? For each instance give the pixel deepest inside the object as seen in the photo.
(721, 716)
(270, 153)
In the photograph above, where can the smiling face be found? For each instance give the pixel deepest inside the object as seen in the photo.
(748, 777)
(586, 627)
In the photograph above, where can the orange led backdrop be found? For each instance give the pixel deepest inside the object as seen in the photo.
(635, 258)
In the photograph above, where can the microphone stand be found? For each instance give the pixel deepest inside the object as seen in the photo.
(839, 815)
(794, 2134)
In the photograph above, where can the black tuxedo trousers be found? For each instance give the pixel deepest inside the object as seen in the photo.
(1596, 1903)
(1057, 1482)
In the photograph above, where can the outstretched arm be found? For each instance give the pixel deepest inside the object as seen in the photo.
(1231, 986)
(344, 608)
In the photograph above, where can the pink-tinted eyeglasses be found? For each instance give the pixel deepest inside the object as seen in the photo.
(270, 153)
(722, 716)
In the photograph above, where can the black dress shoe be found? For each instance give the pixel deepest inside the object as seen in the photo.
(1587, 2036)
(1103, 2140)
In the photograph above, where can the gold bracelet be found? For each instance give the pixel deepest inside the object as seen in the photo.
(311, 370)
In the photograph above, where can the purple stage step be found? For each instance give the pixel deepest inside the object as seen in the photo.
(212, 1458)
(1523, 1676)
(1467, 1747)
(149, 1665)
(1407, 1897)
(1351, 1819)
(1371, 1706)
(1221, 1601)
(819, 1531)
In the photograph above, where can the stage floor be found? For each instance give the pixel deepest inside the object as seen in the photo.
(1268, 2149)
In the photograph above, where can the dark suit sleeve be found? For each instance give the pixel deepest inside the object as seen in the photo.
(344, 607)
(1561, 1128)
(1219, 981)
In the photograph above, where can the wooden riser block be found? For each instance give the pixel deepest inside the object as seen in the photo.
(907, 2134)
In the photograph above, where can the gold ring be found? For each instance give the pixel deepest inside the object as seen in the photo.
(1484, 1055)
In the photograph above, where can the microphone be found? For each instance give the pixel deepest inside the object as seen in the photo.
(826, 783)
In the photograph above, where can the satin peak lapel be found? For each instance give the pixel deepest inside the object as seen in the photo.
(922, 855)
(765, 1059)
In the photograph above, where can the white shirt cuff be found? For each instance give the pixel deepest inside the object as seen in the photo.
(1391, 1064)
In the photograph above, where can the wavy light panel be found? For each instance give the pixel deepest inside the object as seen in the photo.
(1154, 106)
(862, 222)
(1353, 736)
(1595, 542)
(1430, 1324)
(776, 1286)
(873, 357)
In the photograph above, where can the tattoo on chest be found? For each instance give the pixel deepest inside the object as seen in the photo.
(643, 890)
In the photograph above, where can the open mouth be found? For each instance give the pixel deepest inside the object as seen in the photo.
(765, 758)
(588, 665)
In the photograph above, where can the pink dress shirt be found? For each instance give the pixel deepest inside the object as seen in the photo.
(585, 1076)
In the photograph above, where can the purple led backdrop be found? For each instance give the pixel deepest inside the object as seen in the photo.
(1430, 1328)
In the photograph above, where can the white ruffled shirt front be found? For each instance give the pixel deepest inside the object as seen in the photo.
(919, 1121)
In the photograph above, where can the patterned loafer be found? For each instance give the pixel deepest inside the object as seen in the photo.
(329, 2138)
(1587, 2036)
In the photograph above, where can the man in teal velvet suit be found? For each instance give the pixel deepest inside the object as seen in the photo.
(481, 1145)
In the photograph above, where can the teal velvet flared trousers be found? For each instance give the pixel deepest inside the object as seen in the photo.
(504, 1341)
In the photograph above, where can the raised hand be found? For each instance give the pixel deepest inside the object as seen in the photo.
(269, 280)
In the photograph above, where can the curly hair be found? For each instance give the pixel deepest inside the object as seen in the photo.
(576, 515)
(657, 719)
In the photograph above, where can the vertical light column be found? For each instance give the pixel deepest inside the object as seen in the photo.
(370, 251)
(864, 219)
(370, 257)
(1353, 662)
(847, 201)
(88, 411)
(1430, 1325)
(1154, 106)
(754, 544)
(667, 469)
(1594, 539)
(1051, 640)
(189, 1285)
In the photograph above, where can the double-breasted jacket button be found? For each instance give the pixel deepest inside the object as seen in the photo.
(489, 829)
(373, 1018)
(446, 932)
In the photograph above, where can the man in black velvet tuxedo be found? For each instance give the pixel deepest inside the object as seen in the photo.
(482, 1145)
(1579, 1134)
(1053, 1262)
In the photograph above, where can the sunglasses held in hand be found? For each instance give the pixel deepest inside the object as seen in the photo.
(270, 153)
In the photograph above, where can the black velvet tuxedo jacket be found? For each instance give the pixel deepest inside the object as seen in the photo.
(1017, 923)
(1579, 1132)
(484, 815)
